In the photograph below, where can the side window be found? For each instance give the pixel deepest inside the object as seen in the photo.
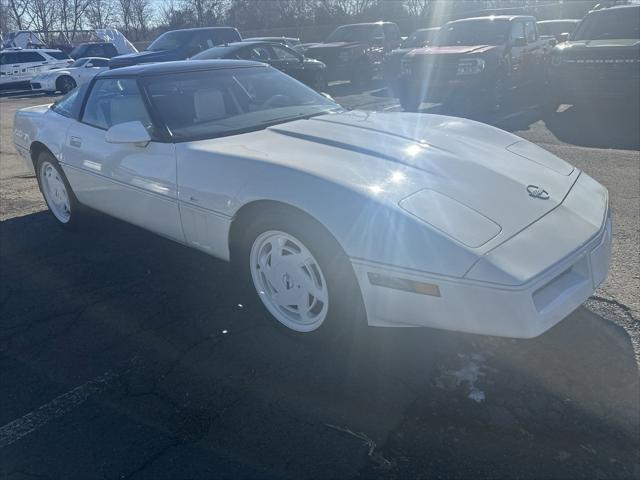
(94, 51)
(29, 57)
(110, 50)
(531, 33)
(65, 105)
(377, 32)
(98, 62)
(284, 54)
(259, 54)
(517, 30)
(115, 101)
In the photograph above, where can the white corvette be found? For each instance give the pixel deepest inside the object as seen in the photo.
(66, 79)
(403, 219)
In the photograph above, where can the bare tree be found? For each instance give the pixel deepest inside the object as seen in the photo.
(72, 14)
(125, 13)
(141, 15)
(100, 13)
(418, 8)
(17, 13)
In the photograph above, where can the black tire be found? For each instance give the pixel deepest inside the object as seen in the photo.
(361, 75)
(319, 83)
(76, 210)
(498, 94)
(410, 101)
(346, 309)
(65, 84)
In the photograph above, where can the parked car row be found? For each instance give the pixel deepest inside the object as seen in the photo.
(465, 64)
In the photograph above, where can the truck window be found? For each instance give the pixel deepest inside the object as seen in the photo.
(530, 31)
(517, 30)
(223, 35)
(391, 32)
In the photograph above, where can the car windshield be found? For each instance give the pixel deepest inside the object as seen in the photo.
(78, 63)
(171, 40)
(477, 32)
(419, 38)
(623, 23)
(213, 103)
(554, 28)
(352, 33)
(215, 52)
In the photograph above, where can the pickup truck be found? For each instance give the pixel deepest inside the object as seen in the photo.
(475, 62)
(178, 45)
(355, 52)
(601, 60)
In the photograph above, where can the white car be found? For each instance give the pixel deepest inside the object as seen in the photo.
(403, 219)
(66, 79)
(18, 66)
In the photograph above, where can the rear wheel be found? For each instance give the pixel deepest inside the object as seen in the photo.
(301, 275)
(410, 101)
(65, 84)
(57, 192)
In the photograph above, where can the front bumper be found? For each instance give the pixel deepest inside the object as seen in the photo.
(482, 307)
(42, 85)
(603, 84)
(440, 88)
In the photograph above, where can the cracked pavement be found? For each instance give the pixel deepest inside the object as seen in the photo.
(200, 385)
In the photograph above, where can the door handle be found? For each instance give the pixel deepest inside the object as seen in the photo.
(75, 142)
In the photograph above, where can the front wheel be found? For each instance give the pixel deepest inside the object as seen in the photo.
(410, 101)
(301, 275)
(65, 84)
(319, 83)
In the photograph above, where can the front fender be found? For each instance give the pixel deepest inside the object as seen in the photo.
(367, 226)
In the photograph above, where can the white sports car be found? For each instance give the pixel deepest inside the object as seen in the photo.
(403, 219)
(66, 79)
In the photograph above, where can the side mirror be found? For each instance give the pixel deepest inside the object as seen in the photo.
(563, 37)
(128, 132)
(519, 42)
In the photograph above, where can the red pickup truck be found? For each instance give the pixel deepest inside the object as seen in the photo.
(475, 62)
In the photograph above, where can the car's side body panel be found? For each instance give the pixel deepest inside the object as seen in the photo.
(134, 183)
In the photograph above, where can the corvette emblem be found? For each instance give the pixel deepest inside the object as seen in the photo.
(538, 192)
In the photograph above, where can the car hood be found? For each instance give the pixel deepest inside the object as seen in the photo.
(453, 50)
(596, 48)
(390, 156)
(145, 56)
(332, 46)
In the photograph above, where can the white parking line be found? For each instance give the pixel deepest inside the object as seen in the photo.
(59, 406)
(516, 114)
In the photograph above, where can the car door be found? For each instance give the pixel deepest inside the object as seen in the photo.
(534, 54)
(287, 60)
(9, 67)
(136, 183)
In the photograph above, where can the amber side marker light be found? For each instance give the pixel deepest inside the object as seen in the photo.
(404, 284)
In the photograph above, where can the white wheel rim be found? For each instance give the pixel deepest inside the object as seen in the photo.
(289, 281)
(55, 192)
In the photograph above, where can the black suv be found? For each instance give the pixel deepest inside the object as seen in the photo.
(601, 59)
(94, 49)
(355, 52)
(179, 45)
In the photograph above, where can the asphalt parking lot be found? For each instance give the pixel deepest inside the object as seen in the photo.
(123, 355)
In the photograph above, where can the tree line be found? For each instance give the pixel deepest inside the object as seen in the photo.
(143, 20)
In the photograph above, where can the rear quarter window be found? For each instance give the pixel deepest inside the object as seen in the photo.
(227, 35)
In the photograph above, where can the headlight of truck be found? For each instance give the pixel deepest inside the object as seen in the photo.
(470, 66)
(344, 56)
(405, 66)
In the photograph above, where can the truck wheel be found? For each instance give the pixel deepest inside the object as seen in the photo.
(361, 75)
(319, 83)
(410, 101)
